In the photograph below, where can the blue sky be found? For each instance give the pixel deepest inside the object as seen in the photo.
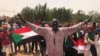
(11, 7)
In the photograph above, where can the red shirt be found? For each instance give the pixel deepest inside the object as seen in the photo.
(5, 38)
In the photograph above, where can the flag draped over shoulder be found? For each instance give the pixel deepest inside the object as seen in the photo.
(79, 44)
(22, 33)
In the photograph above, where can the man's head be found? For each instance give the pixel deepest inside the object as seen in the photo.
(55, 24)
(43, 23)
(90, 28)
(4, 27)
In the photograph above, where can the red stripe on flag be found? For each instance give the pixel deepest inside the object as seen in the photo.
(75, 42)
(22, 30)
(80, 41)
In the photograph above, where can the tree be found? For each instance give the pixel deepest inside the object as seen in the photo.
(96, 16)
(28, 13)
(61, 13)
(80, 16)
(41, 12)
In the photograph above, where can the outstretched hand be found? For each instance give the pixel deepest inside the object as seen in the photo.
(21, 18)
(89, 19)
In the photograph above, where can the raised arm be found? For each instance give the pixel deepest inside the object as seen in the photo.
(74, 28)
(37, 29)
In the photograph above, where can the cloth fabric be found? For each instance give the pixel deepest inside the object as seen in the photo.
(22, 34)
(93, 50)
(5, 38)
(68, 42)
(91, 36)
(51, 37)
(6, 46)
(70, 51)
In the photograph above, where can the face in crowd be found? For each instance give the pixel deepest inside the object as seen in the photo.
(4, 27)
(90, 29)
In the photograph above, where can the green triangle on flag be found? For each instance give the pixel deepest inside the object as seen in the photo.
(16, 38)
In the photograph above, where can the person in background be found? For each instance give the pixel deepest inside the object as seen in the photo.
(5, 40)
(35, 43)
(80, 42)
(97, 36)
(68, 43)
(14, 26)
(91, 40)
(42, 41)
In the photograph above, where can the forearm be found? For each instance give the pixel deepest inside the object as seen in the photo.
(96, 37)
(91, 42)
(74, 28)
(77, 26)
(39, 30)
(31, 25)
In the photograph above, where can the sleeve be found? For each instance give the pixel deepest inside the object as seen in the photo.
(72, 29)
(40, 30)
(0, 35)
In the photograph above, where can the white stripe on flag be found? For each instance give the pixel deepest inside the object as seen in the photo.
(81, 47)
(28, 34)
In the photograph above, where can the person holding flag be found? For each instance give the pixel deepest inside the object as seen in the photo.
(54, 36)
(5, 40)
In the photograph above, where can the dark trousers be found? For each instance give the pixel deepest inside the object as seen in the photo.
(25, 47)
(80, 54)
(29, 47)
(16, 48)
(93, 50)
(1, 54)
(70, 52)
(43, 50)
(34, 44)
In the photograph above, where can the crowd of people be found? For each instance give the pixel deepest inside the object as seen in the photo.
(53, 39)
(6, 41)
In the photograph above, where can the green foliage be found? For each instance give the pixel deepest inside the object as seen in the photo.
(41, 12)
(28, 13)
(61, 13)
(96, 17)
(79, 16)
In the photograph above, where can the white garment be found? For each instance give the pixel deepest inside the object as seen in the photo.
(6, 46)
(81, 49)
